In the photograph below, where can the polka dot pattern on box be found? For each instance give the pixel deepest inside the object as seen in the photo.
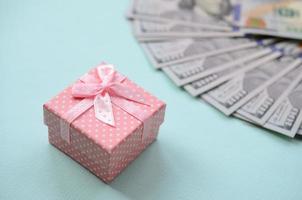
(103, 149)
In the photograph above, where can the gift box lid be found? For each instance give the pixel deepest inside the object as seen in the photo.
(106, 136)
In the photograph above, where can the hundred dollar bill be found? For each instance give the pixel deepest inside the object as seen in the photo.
(262, 106)
(150, 30)
(181, 11)
(204, 35)
(237, 115)
(236, 92)
(287, 118)
(166, 53)
(186, 72)
(195, 36)
(217, 8)
(270, 17)
(211, 81)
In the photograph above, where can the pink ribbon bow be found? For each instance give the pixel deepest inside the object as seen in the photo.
(100, 88)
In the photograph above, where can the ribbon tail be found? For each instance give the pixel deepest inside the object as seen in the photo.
(103, 109)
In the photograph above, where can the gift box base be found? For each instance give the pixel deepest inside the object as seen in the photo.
(89, 164)
(100, 162)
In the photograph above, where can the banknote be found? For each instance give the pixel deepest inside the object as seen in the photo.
(150, 30)
(187, 72)
(181, 11)
(233, 94)
(269, 17)
(237, 115)
(166, 53)
(213, 80)
(150, 39)
(262, 106)
(218, 8)
(287, 118)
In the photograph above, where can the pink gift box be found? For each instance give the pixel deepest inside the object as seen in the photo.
(104, 149)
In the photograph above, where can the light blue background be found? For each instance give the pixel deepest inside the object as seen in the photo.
(200, 154)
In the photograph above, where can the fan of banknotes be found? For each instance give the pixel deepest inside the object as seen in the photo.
(242, 57)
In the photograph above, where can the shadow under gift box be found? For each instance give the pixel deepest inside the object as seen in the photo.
(103, 149)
